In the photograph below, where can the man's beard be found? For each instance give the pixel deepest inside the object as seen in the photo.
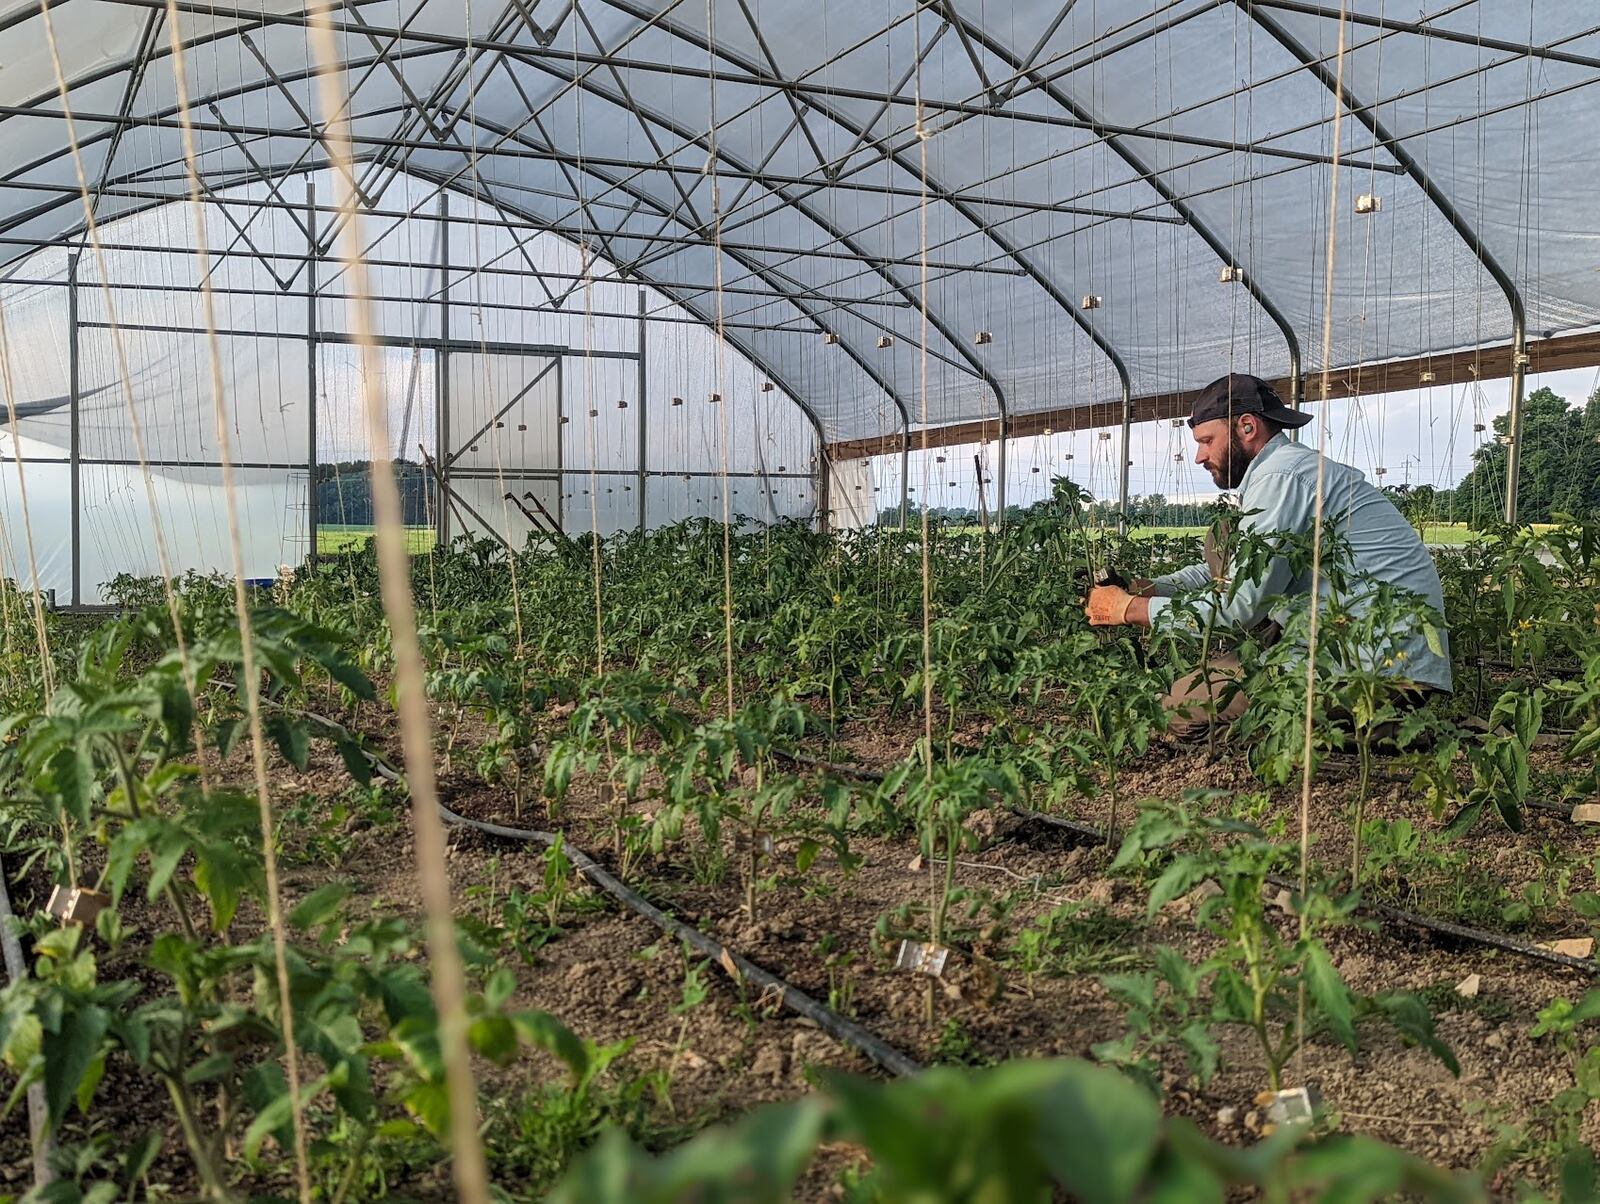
(1231, 474)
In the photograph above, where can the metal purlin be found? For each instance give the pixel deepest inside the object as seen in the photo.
(936, 191)
(978, 366)
(672, 294)
(844, 239)
(1383, 138)
(1148, 174)
(753, 266)
(1442, 203)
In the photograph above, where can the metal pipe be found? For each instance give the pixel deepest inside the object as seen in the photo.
(642, 402)
(406, 341)
(1001, 475)
(1127, 459)
(441, 377)
(75, 453)
(311, 367)
(467, 274)
(1519, 376)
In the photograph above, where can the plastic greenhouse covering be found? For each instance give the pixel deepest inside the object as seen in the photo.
(897, 215)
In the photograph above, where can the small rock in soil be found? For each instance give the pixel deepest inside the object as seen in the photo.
(770, 1063)
(1468, 987)
(1227, 1117)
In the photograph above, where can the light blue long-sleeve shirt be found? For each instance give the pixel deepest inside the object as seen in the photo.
(1278, 493)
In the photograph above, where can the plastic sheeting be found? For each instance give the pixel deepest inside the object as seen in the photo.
(588, 393)
(1127, 150)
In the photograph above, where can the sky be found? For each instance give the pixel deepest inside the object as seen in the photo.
(1422, 436)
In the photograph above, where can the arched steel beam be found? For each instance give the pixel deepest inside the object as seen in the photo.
(1447, 209)
(678, 130)
(1052, 88)
(936, 191)
(709, 319)
(690, 137)
(313, 163)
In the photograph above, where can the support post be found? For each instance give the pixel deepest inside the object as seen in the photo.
(824, 489)
(1000, 481)
(642, 412)
(75, 465)
(442, 378)
(312, 352)
(1519, 382)
(1127, 462)
(1297, 386)
(905, 479)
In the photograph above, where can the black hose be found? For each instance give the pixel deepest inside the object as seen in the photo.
(796, 1000)
(1396, 915)
(44, 1145)
(737, 966)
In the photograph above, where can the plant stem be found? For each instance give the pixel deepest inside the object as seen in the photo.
(199, 1150)
(1365, 747)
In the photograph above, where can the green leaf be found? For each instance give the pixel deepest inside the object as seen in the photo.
(320, 906)
(544, 1031)
(1095, 1131)
(70, 1053)
(1412, 1020)
(1466, 818)
(1179, 879)
(91, 1079)
(292, 740)
(1587, 1008)
(1329, 993)
(355, 761)
(806, 854)
(494, 1037)
(429, 1102)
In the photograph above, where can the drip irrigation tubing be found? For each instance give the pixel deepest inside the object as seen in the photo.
(1381, 911)
(44, 1145)
(738, 967)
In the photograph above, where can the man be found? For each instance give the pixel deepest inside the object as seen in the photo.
(1238, 424)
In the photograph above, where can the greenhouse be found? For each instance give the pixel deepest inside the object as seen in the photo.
(752, 600)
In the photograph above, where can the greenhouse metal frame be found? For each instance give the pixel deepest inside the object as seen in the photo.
(1090, 252)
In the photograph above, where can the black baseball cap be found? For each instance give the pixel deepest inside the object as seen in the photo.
(1240, 393)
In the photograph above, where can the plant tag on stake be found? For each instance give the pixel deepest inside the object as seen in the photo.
(761, 842)
(76, 905)
(920, 957)
(1294, 1106)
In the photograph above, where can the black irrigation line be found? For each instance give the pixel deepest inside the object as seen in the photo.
(738, 967)
(1382, 911)
(848, 1032)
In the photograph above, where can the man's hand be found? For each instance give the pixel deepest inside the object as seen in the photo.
(1108, 606)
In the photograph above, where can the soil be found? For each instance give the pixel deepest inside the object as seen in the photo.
(613, 976)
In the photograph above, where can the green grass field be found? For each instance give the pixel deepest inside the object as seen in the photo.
(333, 538)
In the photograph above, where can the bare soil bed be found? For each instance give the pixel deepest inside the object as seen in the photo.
(613, 976)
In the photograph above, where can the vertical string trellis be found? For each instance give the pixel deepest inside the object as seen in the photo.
(1306, 770)
(719, 350)
(448, 980)
(251, 685)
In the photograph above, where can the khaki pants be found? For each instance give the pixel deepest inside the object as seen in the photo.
(1210, 694)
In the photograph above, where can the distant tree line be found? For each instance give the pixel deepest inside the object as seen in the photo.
(344, 493)
(1560, 471)
(1151, 510)
(1560, 474)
